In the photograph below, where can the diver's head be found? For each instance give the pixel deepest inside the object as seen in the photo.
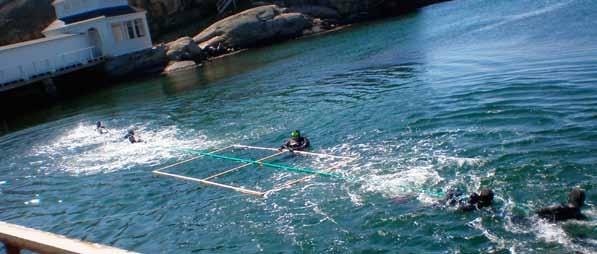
(98, 124)
(295, 134)
(486, 197)
(576, 197)
(473, 198)
(131, 131)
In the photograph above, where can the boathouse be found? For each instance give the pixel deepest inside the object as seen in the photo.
(84, 34)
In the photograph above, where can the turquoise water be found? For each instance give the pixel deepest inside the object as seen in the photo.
(464, 94)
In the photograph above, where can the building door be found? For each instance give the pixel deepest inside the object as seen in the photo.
(96, 42)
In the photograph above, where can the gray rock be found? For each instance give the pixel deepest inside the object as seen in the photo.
(138, 62)
(183, 48)
(264, 24)
(180, 66)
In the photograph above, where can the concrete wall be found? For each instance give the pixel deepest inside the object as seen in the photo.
(73, 7)
(41, 56)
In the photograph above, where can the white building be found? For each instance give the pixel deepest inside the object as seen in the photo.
(85, 32)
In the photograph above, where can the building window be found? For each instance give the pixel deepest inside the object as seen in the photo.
(117, 32)
(130, 29)
(139, 27)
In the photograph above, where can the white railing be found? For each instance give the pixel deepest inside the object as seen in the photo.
(60, 63)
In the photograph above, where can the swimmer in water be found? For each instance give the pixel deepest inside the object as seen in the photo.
(100, 128)
(131, 136)
(455, 198)
(563, 212)
(296, 142)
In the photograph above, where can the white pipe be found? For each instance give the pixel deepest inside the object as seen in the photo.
(299, 152)
(241, 190)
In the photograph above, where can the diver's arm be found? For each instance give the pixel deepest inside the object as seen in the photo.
(307, 143)
(285, 146)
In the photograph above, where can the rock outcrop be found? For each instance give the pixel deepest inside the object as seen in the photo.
(183, 48)
(25, 19)
(22, 20)
(165, 16)
(260, 25)
(177, 66)
(147, 61)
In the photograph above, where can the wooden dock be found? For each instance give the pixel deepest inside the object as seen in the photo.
(17, 238)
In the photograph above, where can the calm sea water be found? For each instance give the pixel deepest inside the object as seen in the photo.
(463, 94)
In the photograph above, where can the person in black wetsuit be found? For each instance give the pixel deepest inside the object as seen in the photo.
(562, 212)
(100, 128)
(131, 136)
(455, 198)
(296, 142)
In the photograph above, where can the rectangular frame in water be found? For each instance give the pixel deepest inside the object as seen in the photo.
(209, 180)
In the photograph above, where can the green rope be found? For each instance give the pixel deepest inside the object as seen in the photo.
(270, 165)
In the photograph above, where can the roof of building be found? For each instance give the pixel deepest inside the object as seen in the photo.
(107, 12)
(31, 42)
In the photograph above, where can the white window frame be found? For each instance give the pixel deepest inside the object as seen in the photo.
(139, 25)
(129, 27)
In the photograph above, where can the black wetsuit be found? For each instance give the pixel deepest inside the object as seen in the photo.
(299, 144)
(102, 130)
(456, 198)
(561, 213)
(132, 138)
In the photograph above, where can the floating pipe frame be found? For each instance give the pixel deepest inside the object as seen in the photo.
(288, 184)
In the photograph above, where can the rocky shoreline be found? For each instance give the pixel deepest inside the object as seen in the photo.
(254, 27)
(259, 23)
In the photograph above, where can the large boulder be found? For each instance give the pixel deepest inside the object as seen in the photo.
(146, 61)
(260, 25)
(177, 66)
(183, 49)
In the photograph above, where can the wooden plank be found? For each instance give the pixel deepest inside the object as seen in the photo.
(44, 242)
(299, 152)
(242, 166)
(197, 180)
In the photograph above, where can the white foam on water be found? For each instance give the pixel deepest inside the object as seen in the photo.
(501, 243)
(403, 182)
(550, 232)
(460, 161)
(2, 182)
(415, 169)
(82, 150)
(554, 233)
(34, 201)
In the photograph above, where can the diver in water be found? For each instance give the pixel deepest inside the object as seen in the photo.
(131, 136)
(296, 142)
(455, 198)
(100, 128)
(562, 212)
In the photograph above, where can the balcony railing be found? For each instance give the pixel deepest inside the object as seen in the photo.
(42, 67)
